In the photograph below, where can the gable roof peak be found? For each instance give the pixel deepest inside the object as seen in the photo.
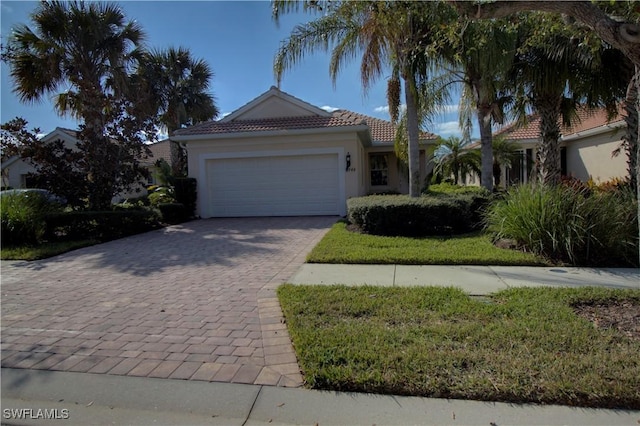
(276, 92)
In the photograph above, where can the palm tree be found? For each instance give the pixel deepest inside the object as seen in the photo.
(85, 50)
(477, 56)
(504, 154)
(455, 158)
(556, 71)
(389, 35)
(180, 85)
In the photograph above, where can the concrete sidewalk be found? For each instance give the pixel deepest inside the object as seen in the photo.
(475, 280)
(93, 399)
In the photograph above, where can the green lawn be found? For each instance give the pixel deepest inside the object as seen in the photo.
(343, 246)
(521, 345)
(43, 250)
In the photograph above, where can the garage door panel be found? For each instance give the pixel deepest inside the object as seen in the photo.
(274, 186)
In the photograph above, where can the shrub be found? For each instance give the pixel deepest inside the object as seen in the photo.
(101, 225)
(449, 188)
(133, 202)
(426, 215)
(161, 195)
(173, 212)
(22, 217)
(569, 224)
(186, 193)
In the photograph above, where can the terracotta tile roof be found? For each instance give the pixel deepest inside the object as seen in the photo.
(265, 125)
(381, 130)
(587, 120)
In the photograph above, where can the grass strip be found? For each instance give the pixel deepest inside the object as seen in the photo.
(340, 245)
(521, 345)
(42, 251)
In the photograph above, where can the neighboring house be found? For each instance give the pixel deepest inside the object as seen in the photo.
(281, 156)
(15, 170)
(586, 148)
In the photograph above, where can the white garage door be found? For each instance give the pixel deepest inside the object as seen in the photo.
(274, 186)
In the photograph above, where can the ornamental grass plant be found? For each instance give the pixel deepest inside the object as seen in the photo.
(567, 224)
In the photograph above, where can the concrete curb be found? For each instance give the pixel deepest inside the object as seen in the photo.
(475, 280)
(103, 399)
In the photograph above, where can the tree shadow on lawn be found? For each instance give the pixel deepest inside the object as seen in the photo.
(200, 243)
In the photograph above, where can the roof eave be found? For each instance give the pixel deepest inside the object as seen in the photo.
(238, 135)
(593, 132)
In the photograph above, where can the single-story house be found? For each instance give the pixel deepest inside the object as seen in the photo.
(586, 148)
(281, 156)
(15, 170)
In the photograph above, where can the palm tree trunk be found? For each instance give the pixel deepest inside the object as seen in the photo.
(548, 155)
(99, 163)
(631, 136)
(413, 138)
(637, 150)
(486, 149)
(178, 160)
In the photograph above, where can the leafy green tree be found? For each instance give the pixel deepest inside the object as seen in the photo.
(389, 35)
(454, 157)
(82, 54)
(180, 85)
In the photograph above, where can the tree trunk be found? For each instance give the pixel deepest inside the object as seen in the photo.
(637, 84)
(631, 136)
(486, 147)
(99, 161)
(178, 160)
(413, 139)
(548, 155)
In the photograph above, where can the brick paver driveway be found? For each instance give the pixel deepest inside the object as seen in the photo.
(195, 301)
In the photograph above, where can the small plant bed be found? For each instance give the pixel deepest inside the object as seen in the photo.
(518, 345)
(341, 245)
(42, 251)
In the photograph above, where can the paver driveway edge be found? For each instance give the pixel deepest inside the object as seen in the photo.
(279, 353)
(195, 301)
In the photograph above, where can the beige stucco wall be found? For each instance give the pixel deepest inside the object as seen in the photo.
(273, 107)
(12, 175)
(340, 143)
(398, 179)
(591, 157)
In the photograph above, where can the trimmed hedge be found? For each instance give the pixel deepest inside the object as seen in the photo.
(185, 190)
(101, 225)
(173, 212)
(444, 214)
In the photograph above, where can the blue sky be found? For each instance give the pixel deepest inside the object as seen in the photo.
(238, 39)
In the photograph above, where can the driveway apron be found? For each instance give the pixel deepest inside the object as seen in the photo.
(194, 301)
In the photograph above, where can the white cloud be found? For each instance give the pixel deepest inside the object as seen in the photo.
(329, 108)
(385, 108)
(448, 128)
(450, 108)
(224, 114)
(6, 9)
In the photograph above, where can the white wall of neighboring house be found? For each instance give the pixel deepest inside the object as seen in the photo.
(15, 170)
(591, 156)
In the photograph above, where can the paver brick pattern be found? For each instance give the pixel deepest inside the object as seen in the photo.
(193, 301)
